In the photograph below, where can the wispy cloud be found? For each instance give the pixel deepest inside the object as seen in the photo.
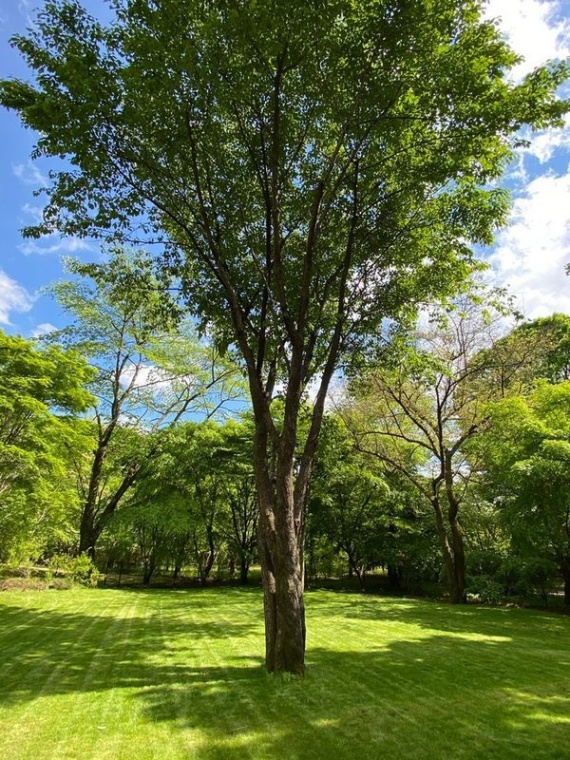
(43, 329)
(29, 174)
(26, 8)
(66, 245)
(13, 297)
(35, 212)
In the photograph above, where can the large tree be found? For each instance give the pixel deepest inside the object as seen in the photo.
(312, 168)
(526, 452)
(536, 349)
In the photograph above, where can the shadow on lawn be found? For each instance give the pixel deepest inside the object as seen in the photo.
(443, 696)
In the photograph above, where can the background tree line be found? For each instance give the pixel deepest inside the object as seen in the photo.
(442, 464)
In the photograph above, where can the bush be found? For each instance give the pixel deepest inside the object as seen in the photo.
(527, 576)
(484, 589)
(77, 569)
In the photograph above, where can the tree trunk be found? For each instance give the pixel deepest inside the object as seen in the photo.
(460, 596)
(206, 563)
(87, 536)
(243, 570)
(356, 569)
(282, 575)
(454, 565)
(148, 572)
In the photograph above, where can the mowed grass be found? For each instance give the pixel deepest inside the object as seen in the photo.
(178, 674)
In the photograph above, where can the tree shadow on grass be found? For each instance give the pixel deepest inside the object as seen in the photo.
(442, 696)
(436, 698)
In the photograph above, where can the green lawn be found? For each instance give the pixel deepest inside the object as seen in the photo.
(178, 674)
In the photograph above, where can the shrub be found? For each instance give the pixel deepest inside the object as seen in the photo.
(484, 589)
(79, 569)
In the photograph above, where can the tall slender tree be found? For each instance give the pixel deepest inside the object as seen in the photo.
(312, 168)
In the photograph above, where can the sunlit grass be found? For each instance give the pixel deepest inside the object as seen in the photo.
(111, 674)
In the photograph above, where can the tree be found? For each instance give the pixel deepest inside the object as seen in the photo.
(196, 479)
(347, 500)
(149, 374)
(527, 458)
(536, 349)
(240, 529)
(365, 511)
(420, 415)
(41, 389)
(312, 169)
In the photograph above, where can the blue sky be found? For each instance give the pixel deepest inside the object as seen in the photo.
(529, 256)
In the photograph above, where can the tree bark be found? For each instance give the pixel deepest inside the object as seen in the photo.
(282, 575)
(87, 534)
(280, 550)
(148, 572)
(454, 563)
(243, 570)
(458, 595)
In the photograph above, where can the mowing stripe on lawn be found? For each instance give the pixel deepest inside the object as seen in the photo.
(166, 675)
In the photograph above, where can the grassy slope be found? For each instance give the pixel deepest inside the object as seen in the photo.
(113, 675)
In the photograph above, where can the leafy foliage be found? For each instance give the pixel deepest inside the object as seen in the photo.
(527, 455)
(41, 388)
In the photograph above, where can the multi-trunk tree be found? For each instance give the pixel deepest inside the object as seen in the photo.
(150, 372)
(420, 414)
(312, 168)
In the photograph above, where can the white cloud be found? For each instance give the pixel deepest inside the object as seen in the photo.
(64, 245)
(537, 30)
(13, 297)
(148, 377)
(531, 254)
(34, 211)
(30, 174)
(544, 144)
(43, 329)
